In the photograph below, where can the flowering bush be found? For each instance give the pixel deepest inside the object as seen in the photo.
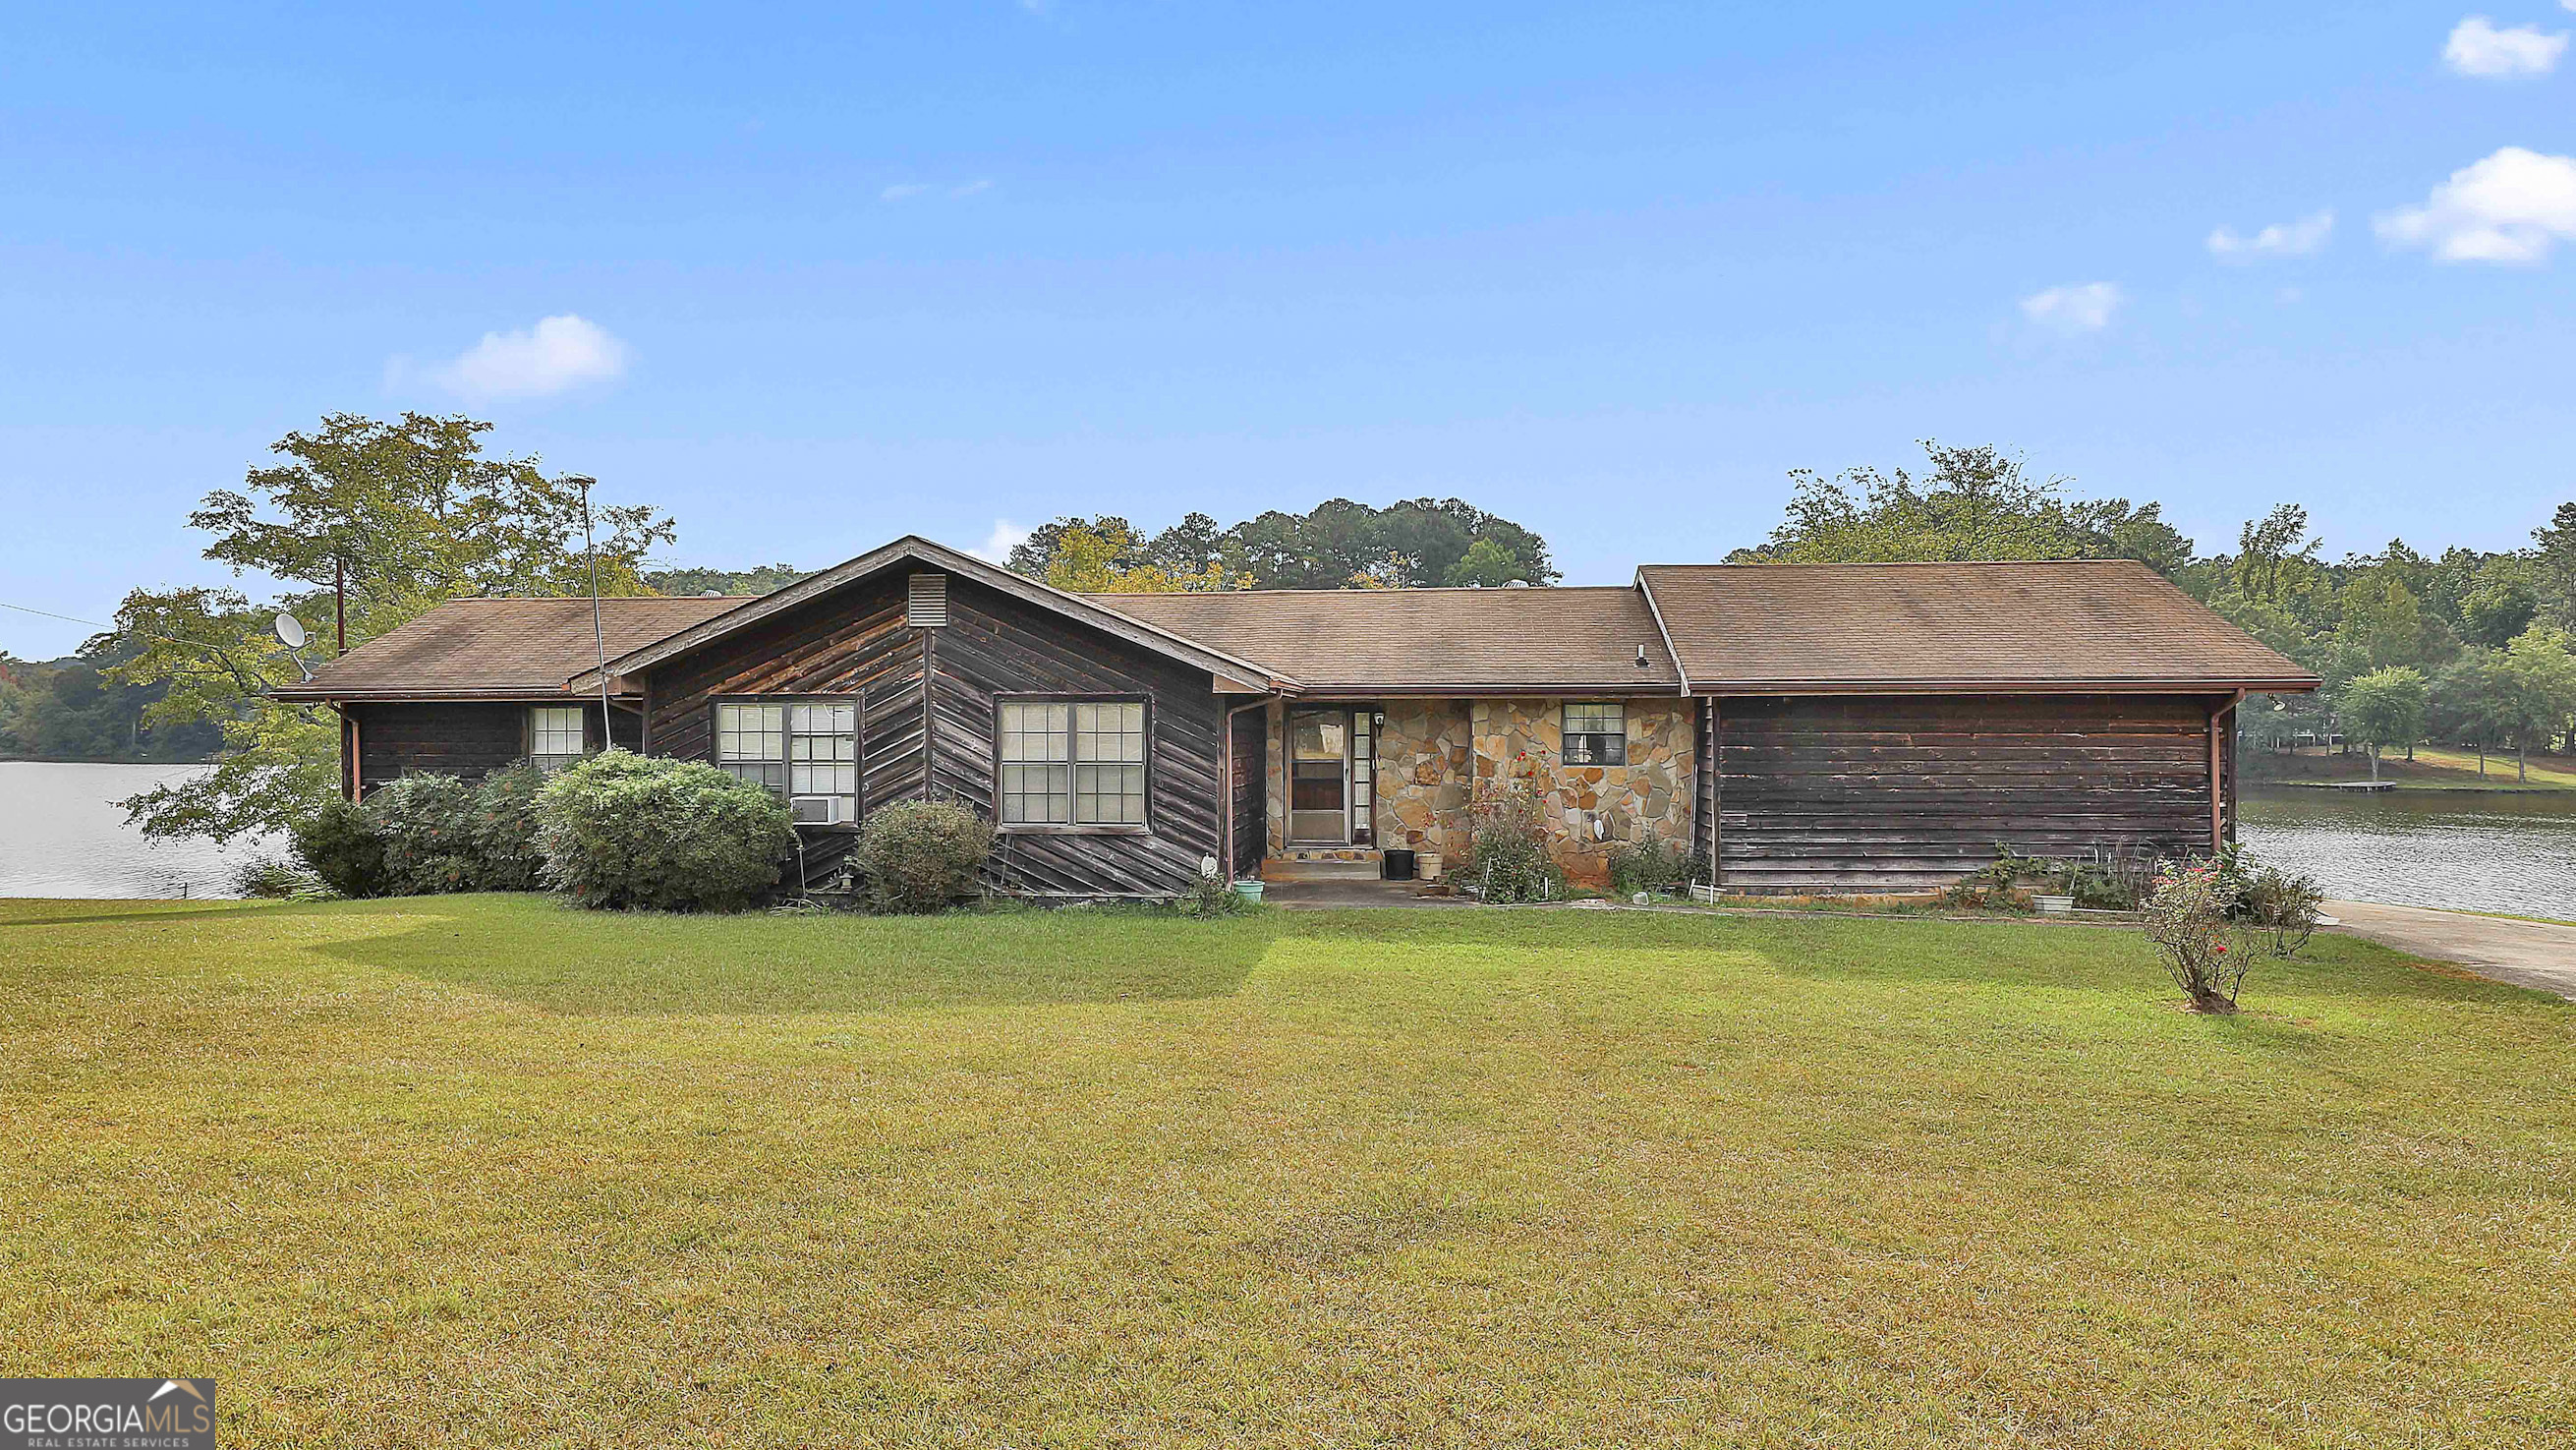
(2186, 914)
(1509, 857)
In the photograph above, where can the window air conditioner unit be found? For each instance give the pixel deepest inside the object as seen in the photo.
(815, 810)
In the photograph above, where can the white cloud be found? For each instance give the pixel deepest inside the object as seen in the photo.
(2075, 307)
(2514, 206)
(2477, 48)
(997, 546)
(556, 354)
(2280, 239)
(902, 191)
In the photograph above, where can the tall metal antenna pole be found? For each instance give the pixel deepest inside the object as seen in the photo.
(598, 634)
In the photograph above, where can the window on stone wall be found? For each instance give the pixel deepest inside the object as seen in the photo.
(1596, 734)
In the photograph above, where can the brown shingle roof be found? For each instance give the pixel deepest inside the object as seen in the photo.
(2062, 625)
(1424, 641)
(498, 648)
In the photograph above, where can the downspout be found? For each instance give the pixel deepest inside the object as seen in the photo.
(2217, 775)
(1700, 789)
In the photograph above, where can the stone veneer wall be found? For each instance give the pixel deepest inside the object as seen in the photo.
(1436, 758)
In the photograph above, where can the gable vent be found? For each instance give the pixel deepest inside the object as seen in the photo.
(928, 606)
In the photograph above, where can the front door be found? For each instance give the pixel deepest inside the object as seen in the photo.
(1324, 748)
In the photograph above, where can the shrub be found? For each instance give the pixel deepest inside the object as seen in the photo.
(427, 825)
(621, 831)
(505, 821)
(2186, 916)
(2284, 905)
(1651, 864)
(342, 848)
(271, 878)
(1508, 857)
(919, 856)
(1209, 893)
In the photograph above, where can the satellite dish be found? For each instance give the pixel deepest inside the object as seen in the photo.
(290, 631)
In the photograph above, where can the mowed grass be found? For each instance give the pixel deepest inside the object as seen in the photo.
(2435, 767)
(481, 1171)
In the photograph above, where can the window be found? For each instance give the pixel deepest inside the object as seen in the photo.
(556, 737)
(806, 752)
(1071, 762)
(1596, 734)
(823, 761)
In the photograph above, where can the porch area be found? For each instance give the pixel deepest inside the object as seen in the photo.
(1346, 781)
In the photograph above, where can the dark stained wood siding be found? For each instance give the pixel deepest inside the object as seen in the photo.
(996, 645)
(1900, 792)
(1250, 786)
(927, 716)
(461, 738)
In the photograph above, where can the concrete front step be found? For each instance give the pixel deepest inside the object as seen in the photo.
(1293, 869)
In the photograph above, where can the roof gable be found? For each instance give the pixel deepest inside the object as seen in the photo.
(498, 648)
(913, 549)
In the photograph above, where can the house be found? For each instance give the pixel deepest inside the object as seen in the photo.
(1836, 727)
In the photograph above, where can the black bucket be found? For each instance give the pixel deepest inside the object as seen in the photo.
(1399, 865)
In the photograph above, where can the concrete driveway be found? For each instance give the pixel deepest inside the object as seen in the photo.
(2525, 953)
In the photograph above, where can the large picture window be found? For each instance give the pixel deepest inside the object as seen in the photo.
(806, 752)
(555, 736)
(1596, 734)
(1071, 762)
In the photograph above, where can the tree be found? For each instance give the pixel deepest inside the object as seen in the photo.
(2384, 707)
(1338, 544)
(2474, 700)
(2502, 599)
(1086, 562)
(1974, 503)
(2555, 565)
(2265, 549)
(414, 514)
(2540, 667)
(761, 579)
(1487, 563)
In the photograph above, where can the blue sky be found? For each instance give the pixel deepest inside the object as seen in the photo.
(835, 274)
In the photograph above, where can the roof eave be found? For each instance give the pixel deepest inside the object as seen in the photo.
(2120, 685)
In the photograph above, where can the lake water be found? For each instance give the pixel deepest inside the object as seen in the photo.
(60, 836)
(2469, 850)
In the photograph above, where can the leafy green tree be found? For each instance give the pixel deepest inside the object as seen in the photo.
(2502, 599)
(413, 513)
(1973, 503)
(2541, 667)
(1487, 563)
(1338, 544)
(763, 579)
(2384, 707)
(2474, 701)
(2555, 566)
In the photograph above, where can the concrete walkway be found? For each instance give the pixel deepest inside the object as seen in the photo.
(2525, 953)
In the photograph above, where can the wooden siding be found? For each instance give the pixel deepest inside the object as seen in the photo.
(1910, 792)
(458, 738)
(464, 738)
(927, 710)
(1250, 766)
(996, 645)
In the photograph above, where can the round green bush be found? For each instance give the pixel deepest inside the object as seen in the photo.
(427, 825)
(919, 856)
(623, 831)
(339, 845)
(505, 830)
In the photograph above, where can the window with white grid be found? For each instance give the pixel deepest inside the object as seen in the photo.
(555, 736)
(1071, 762)
(751, 743)
(823, 756)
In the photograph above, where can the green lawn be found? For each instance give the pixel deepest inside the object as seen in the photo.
(472, 1171)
